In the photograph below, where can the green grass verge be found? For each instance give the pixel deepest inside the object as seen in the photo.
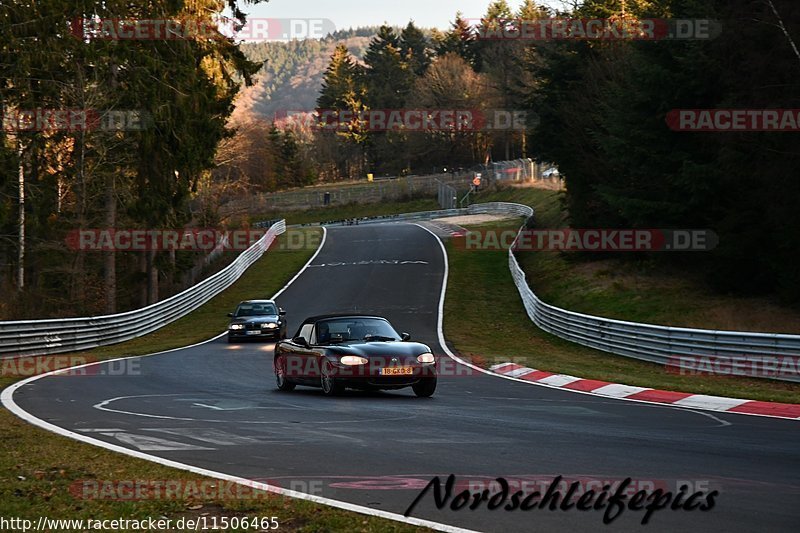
(37, 468)
(341, 212)
(636, 289)
(483, 276)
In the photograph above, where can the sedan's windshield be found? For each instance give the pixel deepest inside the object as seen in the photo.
(246, 310)
(355, 329)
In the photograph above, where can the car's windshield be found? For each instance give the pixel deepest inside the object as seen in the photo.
(355, 329)
(246, 310)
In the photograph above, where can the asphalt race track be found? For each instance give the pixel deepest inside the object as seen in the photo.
(215, 406)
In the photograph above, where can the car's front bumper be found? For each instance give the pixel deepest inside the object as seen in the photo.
(254, 334)
(372, 377)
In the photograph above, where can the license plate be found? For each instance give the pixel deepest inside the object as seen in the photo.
(400, 371)
(254, 333)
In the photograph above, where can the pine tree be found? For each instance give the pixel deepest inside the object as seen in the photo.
(460, 40)
(343, 90)
(499, 10)
(414, 49)
(530, 10)
(90, 177)
(491, 45)
(387, 76)
(501, 61)
(341, 84)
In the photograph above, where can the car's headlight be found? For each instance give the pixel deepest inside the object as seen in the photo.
(271, 325)
(426, 359)
(352, 360)
(237, 326)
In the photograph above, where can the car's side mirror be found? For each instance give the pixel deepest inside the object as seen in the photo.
(405, 337)
(281, 312)
(230, 315)
(301, 341)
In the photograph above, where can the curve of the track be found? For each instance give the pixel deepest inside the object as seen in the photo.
(215, 406)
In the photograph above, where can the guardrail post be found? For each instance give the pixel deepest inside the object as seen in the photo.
(45, 337)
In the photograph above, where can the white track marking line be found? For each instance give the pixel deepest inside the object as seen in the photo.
(454, 357)
(308, 264)
(148, 443)
(104, 406)
(442, 296)
(210, 435)
(7, 399)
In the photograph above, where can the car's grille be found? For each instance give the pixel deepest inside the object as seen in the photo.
(394, 381)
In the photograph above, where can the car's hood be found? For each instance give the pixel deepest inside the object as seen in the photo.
(254, 319)
(386, 349)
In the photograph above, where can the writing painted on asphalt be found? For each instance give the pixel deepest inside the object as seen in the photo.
(375, 262)
(613, 501)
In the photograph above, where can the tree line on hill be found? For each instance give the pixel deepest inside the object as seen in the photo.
(412, 70)
(150, 169)
(603, 109)
(599, 109)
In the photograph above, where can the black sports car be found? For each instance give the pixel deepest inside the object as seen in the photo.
(257, 319)
(335, 352)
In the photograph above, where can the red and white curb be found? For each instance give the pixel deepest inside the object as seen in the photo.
(627, 392)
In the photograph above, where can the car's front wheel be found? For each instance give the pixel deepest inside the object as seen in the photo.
(280, 375)
(331, 386)
(425, 388)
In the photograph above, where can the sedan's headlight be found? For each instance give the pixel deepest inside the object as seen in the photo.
(237, 326)
(426, 359)
(271, 325)
(352, 360)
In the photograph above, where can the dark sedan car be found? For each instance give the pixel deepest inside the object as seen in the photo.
(335, 352)
(257, 319)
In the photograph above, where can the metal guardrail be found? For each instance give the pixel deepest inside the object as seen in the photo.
(647, 342)
(475, 209)
(663, 345)
(266, 224)
(43, 337)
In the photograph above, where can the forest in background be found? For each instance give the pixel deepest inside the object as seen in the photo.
(154, 174)
(597, 109)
